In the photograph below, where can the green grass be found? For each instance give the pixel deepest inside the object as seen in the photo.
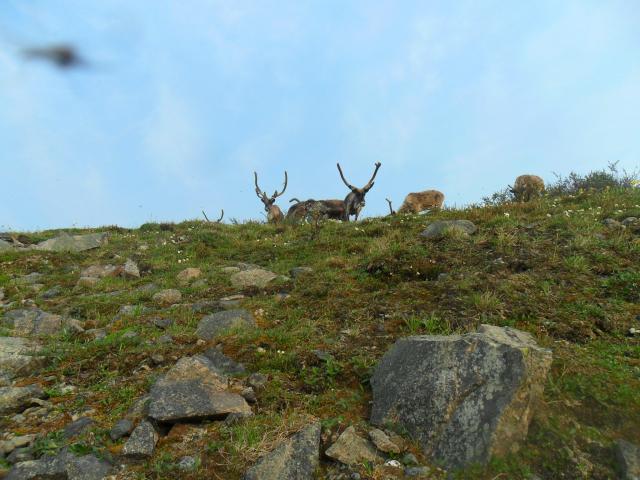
(548, 267)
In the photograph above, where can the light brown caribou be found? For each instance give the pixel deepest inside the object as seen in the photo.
(527, 187)
(417, 202)
(274, 214)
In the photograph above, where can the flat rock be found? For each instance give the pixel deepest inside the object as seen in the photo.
(382, 441)
(30, 279)
(33, 322)
(188, 275)
(299, 271)
(193, 390)
(64, 466)
(223, 364)
(256, 277)
(297, 458)
(231, 302)
(162, 323)
(78, 426)
(73, 243)
(352, 449)
(53, 292)
(142, 442)
(439, 228)
(5, 246)
(18, 356)
(464, 398)
(17, 399)
(131, 269)
(220, 322)
(167, 297)
(628, 460)
(121, 429)
(100, 271)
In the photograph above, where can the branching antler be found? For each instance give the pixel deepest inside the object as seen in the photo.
(391, 211)
(261, 195)
(351, 187)
(217, 221)
(276, 194)
(369, 184)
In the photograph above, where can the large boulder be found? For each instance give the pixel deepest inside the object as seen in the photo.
(18, 356)
(4, 245)
(64, 466)
(35, 322)
(220, 322)
(628, 459)
(72, 243)
(17, 399)
(296, 458)
(442, 227)
(194, 390)
(463, 397)
(255, 277)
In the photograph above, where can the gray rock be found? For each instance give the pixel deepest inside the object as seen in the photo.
(20, 455)
(18, 356)
(162, 323)
(235, 418)
(131, 269)
(129, 334)
(629, 221)
(257, 277)
(193, 390)
(463, 397)
(122, 428)
(30, 279)
(4, 246)
(409, 459)
(417, 471)
(628, 460)
(20, 441)
(17, 399)
(139, 409)
(220, 322)
(298, 271)
(142, 442)
(167, 297)
(382, 441)
(164, 339)
(64, 466)
(222, 363)
(294, 459)
(249, 394)
(87, 467)
(188, 275)
(96, 333)
(75, 428)
(441, 227)
(231, 302)
(257, 381)
(1, 294)
(613, 224)
(205, 306)
(157, 359)
(72, 243)
(53, 292)
(187, 463)
(35, 322)
(352, 449)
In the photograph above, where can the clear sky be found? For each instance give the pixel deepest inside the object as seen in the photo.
(184, 99)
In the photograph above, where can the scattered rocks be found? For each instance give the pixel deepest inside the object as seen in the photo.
(188, 275)
(162, 323)
(142, 442)
(441, 227)
(463, 397)
(73, 243)
(218, 323)
(17, 399)
(122, 428)
(193, 390)
(131, 269)
(352, 449)
(628, 460)
(18, 356)
(223, 364)
(257, 277)
(382, 441)
(77, 427)
(167, 297)
(294, 459)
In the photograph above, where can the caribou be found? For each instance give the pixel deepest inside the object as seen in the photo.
(527, 187)
(274, 214)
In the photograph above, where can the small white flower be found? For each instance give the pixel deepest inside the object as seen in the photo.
(506, 214)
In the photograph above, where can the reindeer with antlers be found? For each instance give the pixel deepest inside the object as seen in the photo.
(335, 209)
(274, 214)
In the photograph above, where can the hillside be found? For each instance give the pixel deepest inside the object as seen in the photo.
(551, 267)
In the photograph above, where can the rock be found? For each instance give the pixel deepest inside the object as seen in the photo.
(139, 409)
(32, 321)
(257, 381)
(20, 441)
(20, 455)
(352, 449)
(71, 325)
(18, 356)
(47, 467)
(88, 282)
(131, 269)
(258, 278)
(29, 279)
(4, 246)
(220, 322)
(463, 397)
(142, 442)
(72, 243)
(417, 471)
(17, 399)
(157, 359)
(628, 460)
(613, 224)
(96, 333)
(629, 221)
(76, 428)
(297, 458)
(187, 463)
(298, 271)
(164, 339)
(439, 228)
(230, 270)
(122, 428)
(249, 395)
(193, 390)
(64, 466)
(100, 271)
(235, 418)
(167, 297)
(132, 310)
(409, 459)
(382, 441)
(1, 294)
(231, 302)
(205, 306)
(393, 464)
(53, 292)
(222, 363)
(129, 334)
(162, 323)
(87, 467)
(188, 275)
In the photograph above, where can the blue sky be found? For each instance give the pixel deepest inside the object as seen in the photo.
(185, 99)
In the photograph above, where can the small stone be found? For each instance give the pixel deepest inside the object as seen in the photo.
(249, 395)
(17, 399)
(220, 322)
(167, 297)
(142, 442)
(352, 449)
(299, 271)
(613, 224)
(258, 278)
(382, 441)
(131, 269)
(393, 464)
(20, 455)
(157, 359)
(440, 228)
(231, 302)
(129, 334)
(76, 428)
(96, 333)
(257, 381)
(72, 325)
(187, 463)
(629, 221)
(162, 323)
(222, 363)
(417, 471)
(409, 459)
(188, 275)
(122, 428)
(19, 441)
(88, 281)
(164, 339)
(235, 418)
(230, 270)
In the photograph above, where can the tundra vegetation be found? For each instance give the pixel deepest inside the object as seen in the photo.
(550, 267)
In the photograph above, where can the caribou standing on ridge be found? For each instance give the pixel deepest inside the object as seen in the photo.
(274, 214)
(527, 187)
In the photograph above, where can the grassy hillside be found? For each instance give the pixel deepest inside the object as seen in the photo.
(549, 267)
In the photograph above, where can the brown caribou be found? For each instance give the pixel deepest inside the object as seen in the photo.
(527, 187)
(417, 202)
(274, 214)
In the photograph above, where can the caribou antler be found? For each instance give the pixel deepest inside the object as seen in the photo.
(276, 194)
(217, 221)
(351, 187)
(261, 195)
(391, 212)
(221, 216)
(369, 184)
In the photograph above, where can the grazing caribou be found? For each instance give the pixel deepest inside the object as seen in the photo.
(274, 214)
(527, 187)
(417, 202)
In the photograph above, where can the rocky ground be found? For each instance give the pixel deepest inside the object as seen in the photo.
(495, 342)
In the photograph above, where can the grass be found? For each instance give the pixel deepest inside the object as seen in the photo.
(548, 267)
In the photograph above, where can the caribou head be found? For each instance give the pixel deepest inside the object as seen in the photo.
(354, 201)
(274, 214)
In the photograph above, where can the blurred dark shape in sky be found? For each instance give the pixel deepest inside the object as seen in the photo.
(62, 56)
